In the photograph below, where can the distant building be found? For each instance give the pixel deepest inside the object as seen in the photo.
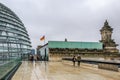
(55, 50)
(42, 52)
(38, 47)
(32, 51)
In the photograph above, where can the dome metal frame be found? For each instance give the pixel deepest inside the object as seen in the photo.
(14, 38)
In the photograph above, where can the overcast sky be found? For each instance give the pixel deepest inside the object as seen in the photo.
(76, 20)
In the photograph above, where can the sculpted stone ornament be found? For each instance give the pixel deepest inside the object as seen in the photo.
(106, 38)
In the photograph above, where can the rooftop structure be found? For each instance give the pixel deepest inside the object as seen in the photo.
(80, 45)
(14, 38)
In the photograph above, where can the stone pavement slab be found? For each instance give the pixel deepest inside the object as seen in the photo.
(60, 71)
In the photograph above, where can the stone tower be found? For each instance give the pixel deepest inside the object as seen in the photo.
(106, 38)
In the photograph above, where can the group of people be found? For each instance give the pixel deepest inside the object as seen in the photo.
(34, 58)
(76, 58)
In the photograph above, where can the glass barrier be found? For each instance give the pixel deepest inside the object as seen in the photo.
(7, 66)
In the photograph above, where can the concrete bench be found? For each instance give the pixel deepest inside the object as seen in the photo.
(102, 64)
(108, 66)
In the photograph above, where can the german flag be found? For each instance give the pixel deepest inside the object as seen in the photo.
(42, 38)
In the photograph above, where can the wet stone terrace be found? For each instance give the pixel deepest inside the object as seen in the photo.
(62, 71)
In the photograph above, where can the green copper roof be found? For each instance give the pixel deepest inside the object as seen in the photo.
(81, 45)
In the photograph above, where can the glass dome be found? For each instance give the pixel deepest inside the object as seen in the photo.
(14, 39)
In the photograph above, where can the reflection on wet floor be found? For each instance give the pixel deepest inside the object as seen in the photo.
(59, 71)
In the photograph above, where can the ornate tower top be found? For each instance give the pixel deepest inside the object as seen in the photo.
(106, 37)
(106, 26)
(106, 23)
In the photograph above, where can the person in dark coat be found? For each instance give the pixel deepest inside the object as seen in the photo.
(73, 59)
(32, 58)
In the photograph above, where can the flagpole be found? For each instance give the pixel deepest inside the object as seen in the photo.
(44, 41)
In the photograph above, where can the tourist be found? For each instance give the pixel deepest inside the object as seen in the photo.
(73, 59)
(78, 59)
(31, 58)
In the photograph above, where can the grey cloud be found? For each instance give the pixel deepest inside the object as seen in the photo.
(77, 20)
